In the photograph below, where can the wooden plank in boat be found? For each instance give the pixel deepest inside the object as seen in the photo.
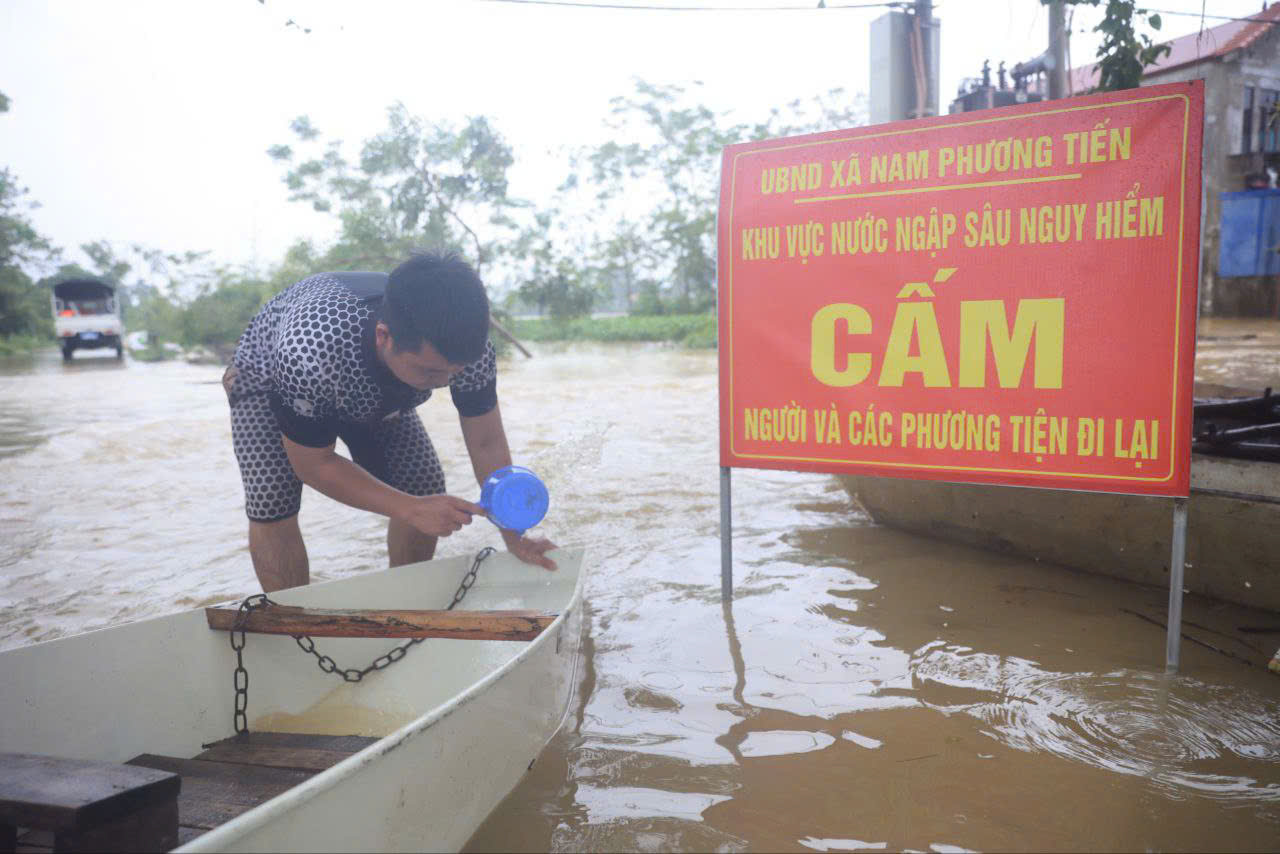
(87, 805)
(286, 749)
(113, 836)
(38, 842)
(213, 793)
(330, 622)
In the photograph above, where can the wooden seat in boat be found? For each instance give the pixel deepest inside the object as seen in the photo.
(47, 803)
(228, 778)
(236, 774)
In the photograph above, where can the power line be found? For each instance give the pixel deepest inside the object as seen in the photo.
(1202, 15)
(640, 8)
(887, 4)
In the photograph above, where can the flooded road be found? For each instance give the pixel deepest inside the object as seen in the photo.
(866, 690)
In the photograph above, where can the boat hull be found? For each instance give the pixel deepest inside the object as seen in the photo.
(1233, 526)
(459, 721)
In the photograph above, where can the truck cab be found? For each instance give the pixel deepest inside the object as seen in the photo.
(86, 316)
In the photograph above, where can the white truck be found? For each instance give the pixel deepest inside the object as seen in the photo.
(86, 316)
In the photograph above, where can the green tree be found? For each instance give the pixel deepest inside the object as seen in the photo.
(552, 283)
(153, 311)
(664, 252)
(24, 307)
(216, 317)
(106, 261)
(156, 289)
(184, 298)
(301, 260)
(680, 145)
(559, 293)
(1124, 53)
(415, 184)
(621, 265)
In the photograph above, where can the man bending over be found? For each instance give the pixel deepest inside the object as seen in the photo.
(352, 356)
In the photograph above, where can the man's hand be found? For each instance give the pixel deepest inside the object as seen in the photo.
(438, 515)
(530, 549)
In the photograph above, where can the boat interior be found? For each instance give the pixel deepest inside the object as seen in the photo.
(151, 763)
(227, 779)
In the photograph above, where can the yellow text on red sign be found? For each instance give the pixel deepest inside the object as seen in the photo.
(1005, 296)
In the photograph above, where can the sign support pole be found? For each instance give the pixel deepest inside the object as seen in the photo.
(726, 537)
(1177, 561)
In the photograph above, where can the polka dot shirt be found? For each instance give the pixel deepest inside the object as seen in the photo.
(311, 350)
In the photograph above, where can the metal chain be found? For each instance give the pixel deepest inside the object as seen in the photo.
(326, 664)
(241, 677)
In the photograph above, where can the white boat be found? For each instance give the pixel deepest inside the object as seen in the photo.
(440, 737)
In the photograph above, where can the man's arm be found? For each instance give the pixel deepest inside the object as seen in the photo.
(487, 444)
(342, 480)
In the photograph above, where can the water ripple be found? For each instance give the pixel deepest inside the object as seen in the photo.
(1171, 730)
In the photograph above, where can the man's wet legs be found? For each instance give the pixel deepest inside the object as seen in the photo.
(279, 555)
(406, 544)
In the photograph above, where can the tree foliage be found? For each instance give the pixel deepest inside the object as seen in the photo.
(633, 224)
(655, 189)
(24, 306)
(1124, 53)
(550, 283)
(415, 184)
(184, 298)
(559, 293)
(675, 146)
(634, 221)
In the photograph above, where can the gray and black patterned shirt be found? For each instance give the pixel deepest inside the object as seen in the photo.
(311, 349)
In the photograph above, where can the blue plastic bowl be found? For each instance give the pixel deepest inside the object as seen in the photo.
(515, 498)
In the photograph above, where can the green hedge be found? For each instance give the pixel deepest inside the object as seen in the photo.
(691, 330)
(21, 343)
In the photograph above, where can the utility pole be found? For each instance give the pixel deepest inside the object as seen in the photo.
(924, 18)
(904, 62)
(1058, 49)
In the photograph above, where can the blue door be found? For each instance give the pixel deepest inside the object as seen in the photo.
(1250, 241)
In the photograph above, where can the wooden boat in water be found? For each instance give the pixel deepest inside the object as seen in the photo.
(1233, 525)
(411, 757)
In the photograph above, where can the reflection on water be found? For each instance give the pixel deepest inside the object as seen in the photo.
(1171, 730)
(865, 690)
(842, 844)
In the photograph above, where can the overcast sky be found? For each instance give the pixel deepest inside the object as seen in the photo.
(148, 122)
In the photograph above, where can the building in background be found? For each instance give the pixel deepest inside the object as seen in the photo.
(905, 52)
(1239, 62)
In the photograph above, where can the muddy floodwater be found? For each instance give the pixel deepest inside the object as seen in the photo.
(866, 689)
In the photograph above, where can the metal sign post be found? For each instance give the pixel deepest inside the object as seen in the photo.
(1178, 557)
(726, 537)
(1177, 562)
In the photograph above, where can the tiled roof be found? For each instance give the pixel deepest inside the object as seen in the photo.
(1195, 47)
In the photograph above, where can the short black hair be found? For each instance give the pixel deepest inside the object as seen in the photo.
(437, 297)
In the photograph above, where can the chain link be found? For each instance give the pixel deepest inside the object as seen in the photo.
(240, 679)
(307, 645)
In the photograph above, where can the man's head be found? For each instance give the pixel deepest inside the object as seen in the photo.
(434, 321)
